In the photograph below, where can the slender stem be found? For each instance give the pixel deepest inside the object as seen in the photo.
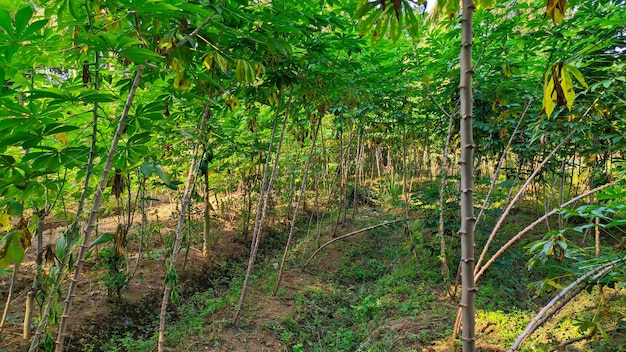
(494, 179)
(9, 297)
(539, 320)
(256, 238)
(535, 223)
(95, 211)
(179, 229)
(518, 196)
(445, 270)
(352, 234)
(298, 202)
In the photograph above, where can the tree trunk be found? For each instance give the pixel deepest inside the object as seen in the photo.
(467, 180)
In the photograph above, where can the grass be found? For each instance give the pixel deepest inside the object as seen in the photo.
(377, 291)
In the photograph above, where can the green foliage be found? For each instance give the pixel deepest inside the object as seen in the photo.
(67, 66)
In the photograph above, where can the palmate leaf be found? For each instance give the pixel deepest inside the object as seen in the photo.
(363, 8)
(5, 22)
(559, 87)
(21, 20)
(412, 24)
(395, 27)
(366, 25)
(381, 27)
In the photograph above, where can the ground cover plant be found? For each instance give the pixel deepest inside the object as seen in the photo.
(312, 175)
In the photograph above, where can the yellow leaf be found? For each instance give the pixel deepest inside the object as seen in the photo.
(248, 72)
(260, 70)
(176, 66)
(5, 219)
(568, 89)
(180, 82)
(221, 61)
(549, 98)
(234, 104)
(61, 137)
(208, 61)
(557, 16)
(556, 10)
(579, 76)
(240, 71)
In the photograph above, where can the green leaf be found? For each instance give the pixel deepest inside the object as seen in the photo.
(140, 138)
(364, 7)
(366, 25)
(140, 55)
(412, 24)
(32, 30)
(75, 7)
(5, 23)
(395, 28)
(104, 238)
(6, 160)
(381, 27)
(22, 17)
(576, 73)
(93, 96)
(55, 128)
(161, 173)
(147, 169)
(15, 209)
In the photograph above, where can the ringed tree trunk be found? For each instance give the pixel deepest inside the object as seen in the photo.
(467, 180)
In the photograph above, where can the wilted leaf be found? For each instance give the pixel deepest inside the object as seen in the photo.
(556, 10)
(117, 183)
(5, 219)
(576, 73)
(11, 248)
(548, 98)
(61, 137)
(568, 89)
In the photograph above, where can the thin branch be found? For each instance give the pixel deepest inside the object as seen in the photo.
(518, 196)
(179, 230)
(294, 218)
(189, 36)
(538, 320)
(262, 211)
(352, 234)
(535, 223)
(585, 337)
(442, 192)
(95, 211)
(494, 179)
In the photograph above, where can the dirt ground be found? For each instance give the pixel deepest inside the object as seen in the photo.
(92, 310)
